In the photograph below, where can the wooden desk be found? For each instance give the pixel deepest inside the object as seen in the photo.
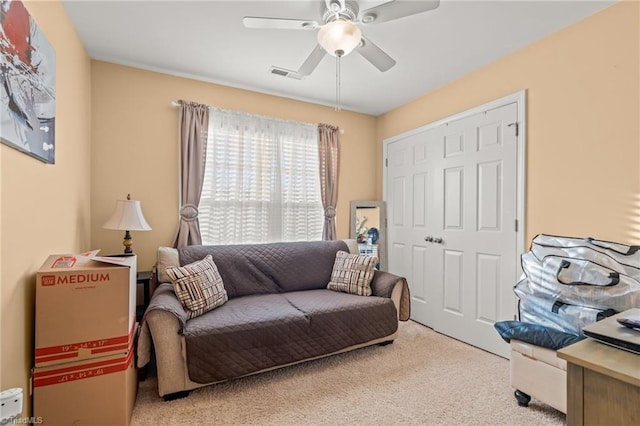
(603, 384)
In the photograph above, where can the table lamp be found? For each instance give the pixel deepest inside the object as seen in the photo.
(127, 217)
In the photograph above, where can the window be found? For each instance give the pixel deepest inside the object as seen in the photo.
(261, 180)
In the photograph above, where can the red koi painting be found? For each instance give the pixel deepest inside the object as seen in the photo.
(27, 84)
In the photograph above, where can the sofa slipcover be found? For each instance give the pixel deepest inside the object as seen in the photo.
(279, 313)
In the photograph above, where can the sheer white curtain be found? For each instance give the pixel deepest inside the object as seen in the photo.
(261, 180)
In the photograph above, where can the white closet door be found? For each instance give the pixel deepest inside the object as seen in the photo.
(451, 196)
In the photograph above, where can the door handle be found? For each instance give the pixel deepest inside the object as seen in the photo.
(428, 239)
(438, 240)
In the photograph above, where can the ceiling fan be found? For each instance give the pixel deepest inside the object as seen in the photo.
(340, 34)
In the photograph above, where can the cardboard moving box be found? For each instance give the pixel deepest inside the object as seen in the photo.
(85, 307)
(99, 391)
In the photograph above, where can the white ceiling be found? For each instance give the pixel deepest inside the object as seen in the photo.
(206, 40)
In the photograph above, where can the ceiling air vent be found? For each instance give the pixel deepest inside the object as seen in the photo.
(285, 73)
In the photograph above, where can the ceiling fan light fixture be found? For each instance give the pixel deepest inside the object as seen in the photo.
(339, 37)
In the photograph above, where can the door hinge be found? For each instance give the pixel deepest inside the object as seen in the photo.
(516, 225)
(386, 162)
(517, 127)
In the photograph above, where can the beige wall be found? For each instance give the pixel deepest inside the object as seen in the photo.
(135, 148)
(583, 150)
(44, 208)
(583, 123)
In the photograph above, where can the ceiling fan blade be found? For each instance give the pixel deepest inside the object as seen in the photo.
(312, 61)
(396, 9)
(375, 55)
(279, 23)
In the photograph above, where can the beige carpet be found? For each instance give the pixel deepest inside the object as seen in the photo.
(424, 378)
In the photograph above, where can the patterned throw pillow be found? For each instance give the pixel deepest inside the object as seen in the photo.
(352, 273)
(198, 285)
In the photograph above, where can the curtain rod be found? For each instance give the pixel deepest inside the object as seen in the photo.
(177, 104)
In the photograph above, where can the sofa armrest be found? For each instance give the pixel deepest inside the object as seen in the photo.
(163, 301)
(170, 358)
(383, 283)
(386, 284)
(161, 331)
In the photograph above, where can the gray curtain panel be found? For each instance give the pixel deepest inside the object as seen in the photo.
(329, 153)
(193, 127)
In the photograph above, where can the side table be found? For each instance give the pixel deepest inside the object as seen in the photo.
(144, 278)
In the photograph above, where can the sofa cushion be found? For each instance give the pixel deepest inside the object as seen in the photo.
(352, 273)
(198, 286)
(339, 319)
(269, 268)
(254, 333)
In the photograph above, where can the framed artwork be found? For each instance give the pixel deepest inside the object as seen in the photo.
(27, 84)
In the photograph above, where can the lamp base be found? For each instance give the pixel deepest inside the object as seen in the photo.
(127, 243)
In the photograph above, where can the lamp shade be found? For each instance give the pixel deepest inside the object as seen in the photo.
(127, 216)
(339, 37)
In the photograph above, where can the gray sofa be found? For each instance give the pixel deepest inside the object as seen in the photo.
(279, 313)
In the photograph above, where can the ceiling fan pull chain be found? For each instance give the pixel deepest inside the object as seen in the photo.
(338, 108)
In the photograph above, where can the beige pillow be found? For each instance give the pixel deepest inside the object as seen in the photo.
(198, 285)
(352, 273)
